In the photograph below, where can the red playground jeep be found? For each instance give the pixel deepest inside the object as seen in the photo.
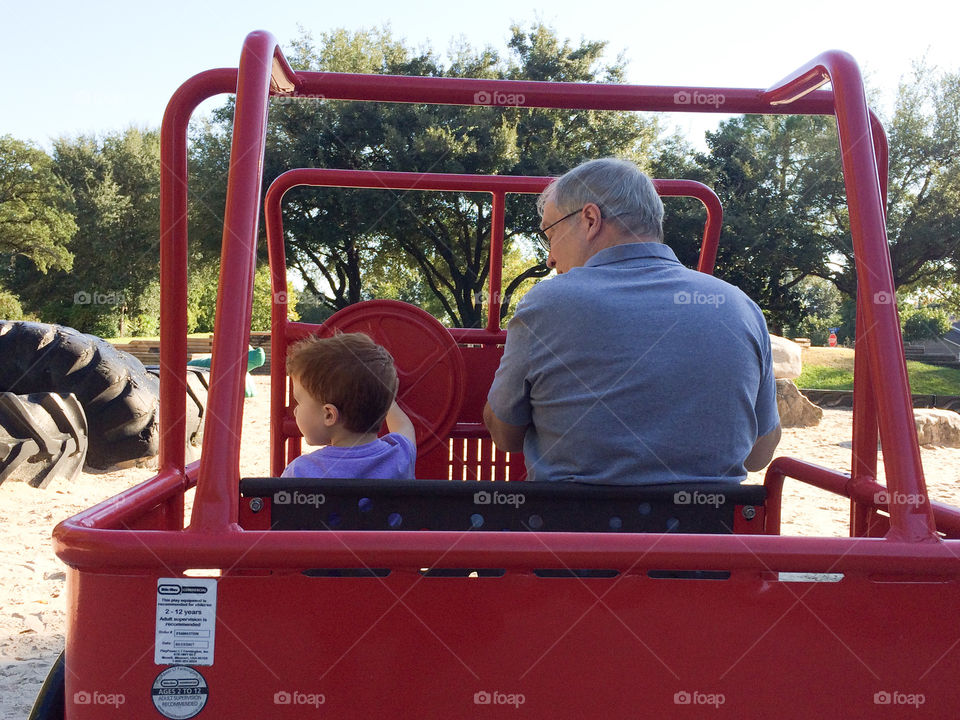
(482, 596)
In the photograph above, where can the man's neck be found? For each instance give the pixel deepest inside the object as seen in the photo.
(603, 242)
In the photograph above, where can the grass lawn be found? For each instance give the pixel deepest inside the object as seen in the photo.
(832, 369)
(125, 340)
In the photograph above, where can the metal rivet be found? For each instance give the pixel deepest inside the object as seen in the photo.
(749, 512)
(256, 504)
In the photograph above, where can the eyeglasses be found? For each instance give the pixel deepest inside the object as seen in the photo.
(542, 234)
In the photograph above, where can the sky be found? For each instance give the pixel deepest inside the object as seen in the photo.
(94, 67)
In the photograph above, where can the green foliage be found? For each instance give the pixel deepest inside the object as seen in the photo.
(924, 323)
(36, 221)
(115, 185)
(924, 133)
(848, 322)
(311, 309)
(944, 294)
(10, 308)
(436, 244)
(778, 178)
(785, 213)
(144, 319)
(263, 297)
(202, 279)
(820, 302)
(817, 329)
(684, 218)
(819, 298)
(202, 298)
(786, 236)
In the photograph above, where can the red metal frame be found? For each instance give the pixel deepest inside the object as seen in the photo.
(632, 644)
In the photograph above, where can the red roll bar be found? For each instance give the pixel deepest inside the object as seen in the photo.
(263, 71)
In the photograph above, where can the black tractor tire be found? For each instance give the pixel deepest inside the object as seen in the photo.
(198, 382)
(42, 436)
(118, 395)
(51, 701)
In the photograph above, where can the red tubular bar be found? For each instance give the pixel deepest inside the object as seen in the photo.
(173, 257)
(104, 549)
(863, 461)
(471, 91)
(865, 423)
(862, 490)
(912, 520)
(494, 279)
(261, 66)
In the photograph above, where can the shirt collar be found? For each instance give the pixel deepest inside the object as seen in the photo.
(633, 251)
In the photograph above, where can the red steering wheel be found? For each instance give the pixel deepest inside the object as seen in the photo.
(429, 365)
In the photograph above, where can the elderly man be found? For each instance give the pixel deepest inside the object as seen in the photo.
(628, 367)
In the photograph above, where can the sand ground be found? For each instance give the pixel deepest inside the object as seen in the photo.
(32, 578)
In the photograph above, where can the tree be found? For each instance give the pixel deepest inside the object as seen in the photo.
(924, 323)
(115, 183)
(778, 178)
(923, 228)
(786, 219)
(821, 304)
(10, 308)
(335, 237)
(36, 222)
(683, 218)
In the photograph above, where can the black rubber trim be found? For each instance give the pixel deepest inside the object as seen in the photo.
(51, 701)
(324, 504)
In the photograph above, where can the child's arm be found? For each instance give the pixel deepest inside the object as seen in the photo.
(398, 422)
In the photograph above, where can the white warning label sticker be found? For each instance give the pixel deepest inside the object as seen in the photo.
(186, 621)
(179, 693)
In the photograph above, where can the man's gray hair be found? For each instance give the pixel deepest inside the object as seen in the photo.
(618, 187)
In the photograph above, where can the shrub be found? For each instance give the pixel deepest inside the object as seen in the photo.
(10, 308)
(925, 323)
(817, 329)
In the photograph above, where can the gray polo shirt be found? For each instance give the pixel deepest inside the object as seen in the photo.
(635, 369)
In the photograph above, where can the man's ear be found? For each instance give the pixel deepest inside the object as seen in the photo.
(594, 218)
(331, 415)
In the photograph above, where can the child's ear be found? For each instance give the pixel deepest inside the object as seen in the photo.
(331, 415)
